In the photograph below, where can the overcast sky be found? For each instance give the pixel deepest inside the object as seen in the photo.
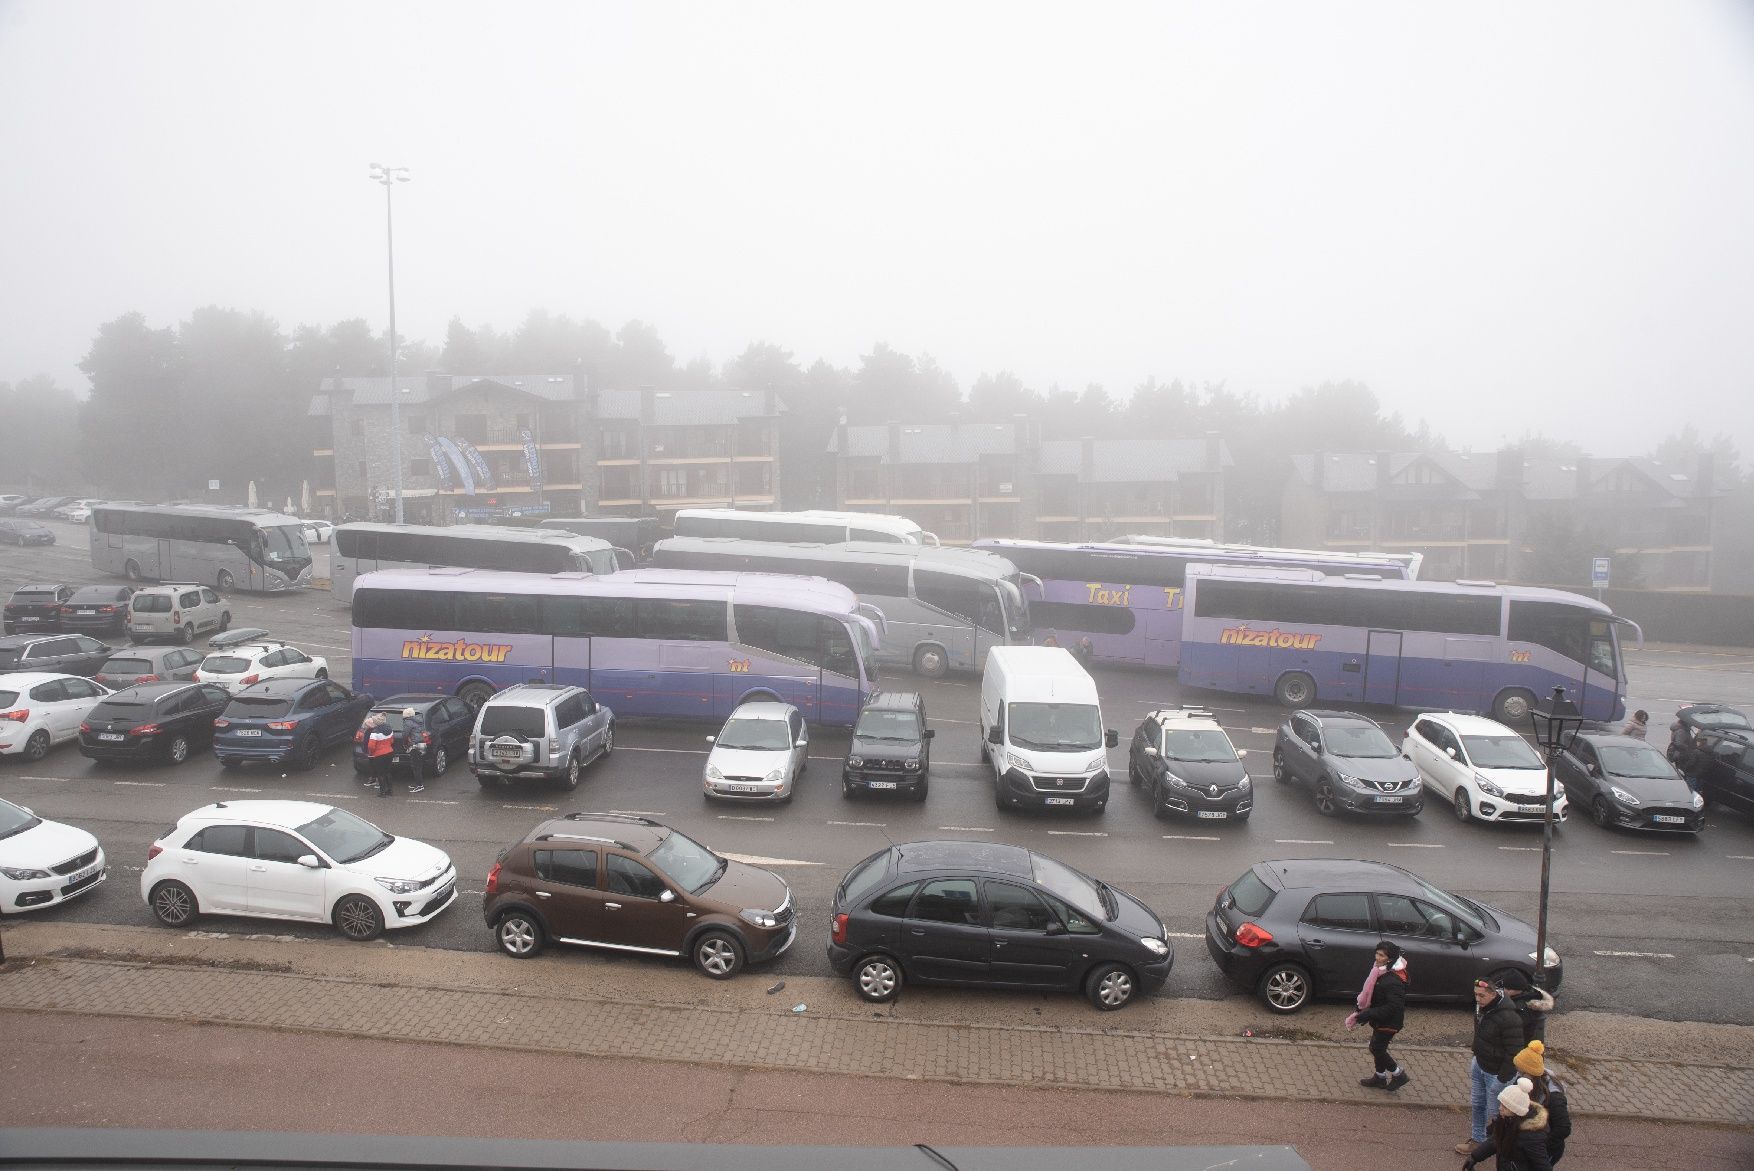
(1503, 217)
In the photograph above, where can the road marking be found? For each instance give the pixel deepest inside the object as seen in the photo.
(1265, 731)
(22, 777)
(1078, 833)
(1184, 935)
(333, 796)
(1643, 853)
(232, 789)
(1302, 842)
(1525, 849)
(1639, 955)
(1192, 838)
(1737, 857)
(537, 808)
(758, 860)
(874, 824)
(430, 801)
(968, 829)
(141, 784)
(741, 817)
(631, 748)
(1418, 845)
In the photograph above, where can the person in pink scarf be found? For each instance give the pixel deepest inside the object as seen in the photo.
(1382, 1005)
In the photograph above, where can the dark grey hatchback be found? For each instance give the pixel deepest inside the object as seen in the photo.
(984, 915)
(1306, 927)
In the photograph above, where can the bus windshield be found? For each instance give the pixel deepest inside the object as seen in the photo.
(1054, 727)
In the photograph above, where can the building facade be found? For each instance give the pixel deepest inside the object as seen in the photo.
(478, 447)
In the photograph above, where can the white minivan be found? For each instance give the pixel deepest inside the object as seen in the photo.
(1043, 730)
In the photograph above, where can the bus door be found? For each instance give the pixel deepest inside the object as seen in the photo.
(166, 568)
(1600, 693)
(1382, 667)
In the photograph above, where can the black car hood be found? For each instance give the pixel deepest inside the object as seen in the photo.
(1377, 768)
(1226, 774)
(1655, 790)
(1134, 919)
(885, 749)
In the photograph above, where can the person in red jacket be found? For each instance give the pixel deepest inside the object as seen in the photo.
(380, 744)
(1382, 1005)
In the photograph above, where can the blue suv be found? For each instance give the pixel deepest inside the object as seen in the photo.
(287, 722)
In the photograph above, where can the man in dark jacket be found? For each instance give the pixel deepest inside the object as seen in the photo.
(1382, 1005)
(1532, 1004)
(414, 748)
(1498, 1036)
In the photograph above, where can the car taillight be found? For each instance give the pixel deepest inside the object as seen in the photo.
(147, 679)
(21, 715)
(282, 725)
(493, 880)
(144, 730)
(1250, 935)
(85, 727)
(177, 617)
(249, 679)
(154, 851)
(426, 737)
(221, 722)
(195, 678)
(107, 609)
(66, 609)
(839, 935)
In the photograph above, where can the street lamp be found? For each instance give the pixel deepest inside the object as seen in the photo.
(1556, 725)
(389, 177)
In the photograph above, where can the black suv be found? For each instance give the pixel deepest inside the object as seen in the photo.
(891, 749)
(35, 608)
(59, 654)
(1190, 766)
(1349, 764)
(1722, 765)
(632, 884)
(985, 915)
(152, 721)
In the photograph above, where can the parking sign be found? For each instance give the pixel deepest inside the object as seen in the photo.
(1599, 572)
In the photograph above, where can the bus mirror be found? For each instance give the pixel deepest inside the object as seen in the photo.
(995, 737)
(1111, 738)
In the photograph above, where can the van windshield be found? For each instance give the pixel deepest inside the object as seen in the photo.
(1054, 727)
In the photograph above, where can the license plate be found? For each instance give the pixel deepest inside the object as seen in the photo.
(1390, 800)
(1668, 819)
(508, 753)
(248, 732)
(1214, 814)
(742, 789)
(30, 618)
(87, 613)
(82, 874)
(111, 736)
(1529, 808)
(1061, 801)
(880, 784)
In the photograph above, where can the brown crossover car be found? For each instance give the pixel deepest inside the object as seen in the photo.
(632, 884)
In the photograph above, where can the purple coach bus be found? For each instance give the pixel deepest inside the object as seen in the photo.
(647, 642)
(1126, 599)
(1470, 646)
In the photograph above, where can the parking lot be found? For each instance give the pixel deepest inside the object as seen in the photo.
(1657, 925)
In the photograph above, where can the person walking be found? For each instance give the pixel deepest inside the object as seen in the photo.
(1549, 1092)
(1382, 1005)
(1518, 1135)
(380, 743)
(1532, 1004)
(1498, 1036)
(414, 746)
(1637, 726)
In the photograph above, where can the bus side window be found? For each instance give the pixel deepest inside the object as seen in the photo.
(837, 648)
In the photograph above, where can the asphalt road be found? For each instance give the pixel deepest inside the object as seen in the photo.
(1657, 925)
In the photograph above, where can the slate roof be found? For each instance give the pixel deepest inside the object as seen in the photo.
(419, 389)
(1125, 461)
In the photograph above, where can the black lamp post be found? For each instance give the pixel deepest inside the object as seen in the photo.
(1556, 725)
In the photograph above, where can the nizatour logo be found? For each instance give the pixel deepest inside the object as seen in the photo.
(429, 649)
(1278, 639)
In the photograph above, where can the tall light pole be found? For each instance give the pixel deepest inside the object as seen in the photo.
(1556, 727)
(389, 177)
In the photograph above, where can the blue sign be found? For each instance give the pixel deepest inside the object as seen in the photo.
(1599, 572)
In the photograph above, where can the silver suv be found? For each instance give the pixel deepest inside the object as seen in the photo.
(178, 610)
(543, 730)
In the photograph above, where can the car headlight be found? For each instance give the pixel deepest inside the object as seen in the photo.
(1154, 945)
(911, 765)
(1487, 787)
(23, 873)
(399, 886)
(1552, 958)
(1622, 796)
(1246, 783)
(855, 762)
(713, 773)
(774, 777)
(1351, 782)
(1698, 801)
(1174, 781)
(757, 918)
(1098, 761)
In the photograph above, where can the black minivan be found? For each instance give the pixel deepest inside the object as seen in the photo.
(986, 915)
(891, 749)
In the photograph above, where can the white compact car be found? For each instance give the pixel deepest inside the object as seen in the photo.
(1485, 769)
(77, 511)
(44, 862)
(239, 666)
(759, 754)
(295, 860)
(39, 710)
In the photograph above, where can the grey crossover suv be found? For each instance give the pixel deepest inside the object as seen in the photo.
(1349, 764)
(546, 731)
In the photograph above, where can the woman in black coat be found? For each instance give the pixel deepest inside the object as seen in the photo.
(1518, 1136)
(1382, 1005)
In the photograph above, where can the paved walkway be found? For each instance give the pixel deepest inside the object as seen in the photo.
(576, 1005)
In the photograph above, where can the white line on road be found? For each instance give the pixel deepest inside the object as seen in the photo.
(1639, 955)
(1077, 833)
(1524, 849)
(22, 777)
(430, 801)
(873, 824)
(537, 808)
(1737, 857)
(1184, 935)
(968, 829)
(1264, 731)
(631, 748)
(333, 796)
(1643, 853)
(141, 784)
(1302, 842)
(741, 817)
(1418, 845)
(1192, 838)
(232, 789)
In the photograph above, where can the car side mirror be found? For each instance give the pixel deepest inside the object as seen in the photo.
(1450, 752)
(1056, 928)
(1595, 770)
(1111, 738)
(995, 737)
(309, 862)
(667, 896)
(1151, 750)
(927, 734)
(801, 744)
(712, 739)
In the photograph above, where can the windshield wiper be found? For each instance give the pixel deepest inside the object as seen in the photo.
(717, 874)
(377, 847)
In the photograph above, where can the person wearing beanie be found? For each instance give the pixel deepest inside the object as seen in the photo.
(1382, 1005)
(1533, 1004)
(414, 741)
(1548, 1091)
(1518, 1136)
(1498, 1035)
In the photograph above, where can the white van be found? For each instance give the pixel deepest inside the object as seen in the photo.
(1043, 730)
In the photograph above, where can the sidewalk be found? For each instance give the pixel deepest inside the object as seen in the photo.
(573, 1003)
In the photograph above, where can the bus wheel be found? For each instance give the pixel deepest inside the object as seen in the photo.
(1295, 690)
(225, 581)
(931, 662)
(475, 694)
(1512, 705)
(132, 570)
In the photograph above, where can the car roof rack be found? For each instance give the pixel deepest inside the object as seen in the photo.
(629, 818)
(1181, 713)
(552, 837)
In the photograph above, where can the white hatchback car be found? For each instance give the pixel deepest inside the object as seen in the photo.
(759, 754)
(295, 860)
(44, 862)
(239, 666)
(1486, 770)
(77, 511)
(318, 532)
(39, 710)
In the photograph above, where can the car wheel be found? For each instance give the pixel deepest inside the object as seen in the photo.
(475, 694)
(309, 752)
(570, 780)
(846, 789)
(998, 796)
(132, 570)
(1295, 690)
(1512, 705)
(486, 782)
(1279, 773)
(1463, 813)
(358, 918)
(173, 904)
(1110, 986)
(609, 739)
(931, 662)
(224, 621)
(322, 672)
(1600, 811)
(877, 979)
(177, 751)
(1326, 803)
(1284, 987)
(37, 746)
(187, 634)
(718, 955)
(440, 762)
(518, 934)
(225, 581)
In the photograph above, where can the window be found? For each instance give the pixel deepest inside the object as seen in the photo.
(581, 616)
(189, 600)
(1076, 922)
(53, 691)
(230, 840)
(681, 619)
(273, 845)
(81, 688)
(971, 600)
(1012, 908)
(498, 613)
(426, 610)
(1404, 916)
(208, 596)
(1081, 616)
(572, 867)
(947, 900)
(894, 903)
(627, 877)
(1339, 912)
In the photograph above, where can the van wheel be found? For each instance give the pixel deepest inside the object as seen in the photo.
(1295, 690)
(1512, 705)
(224, 621)
(931, 662)
(225, 581)
(475, 694)
(187, 634)
(132, 570)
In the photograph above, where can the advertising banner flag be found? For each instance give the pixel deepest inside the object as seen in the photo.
(483, 473)
(532, 460)
(441, 464)
(462, 465)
